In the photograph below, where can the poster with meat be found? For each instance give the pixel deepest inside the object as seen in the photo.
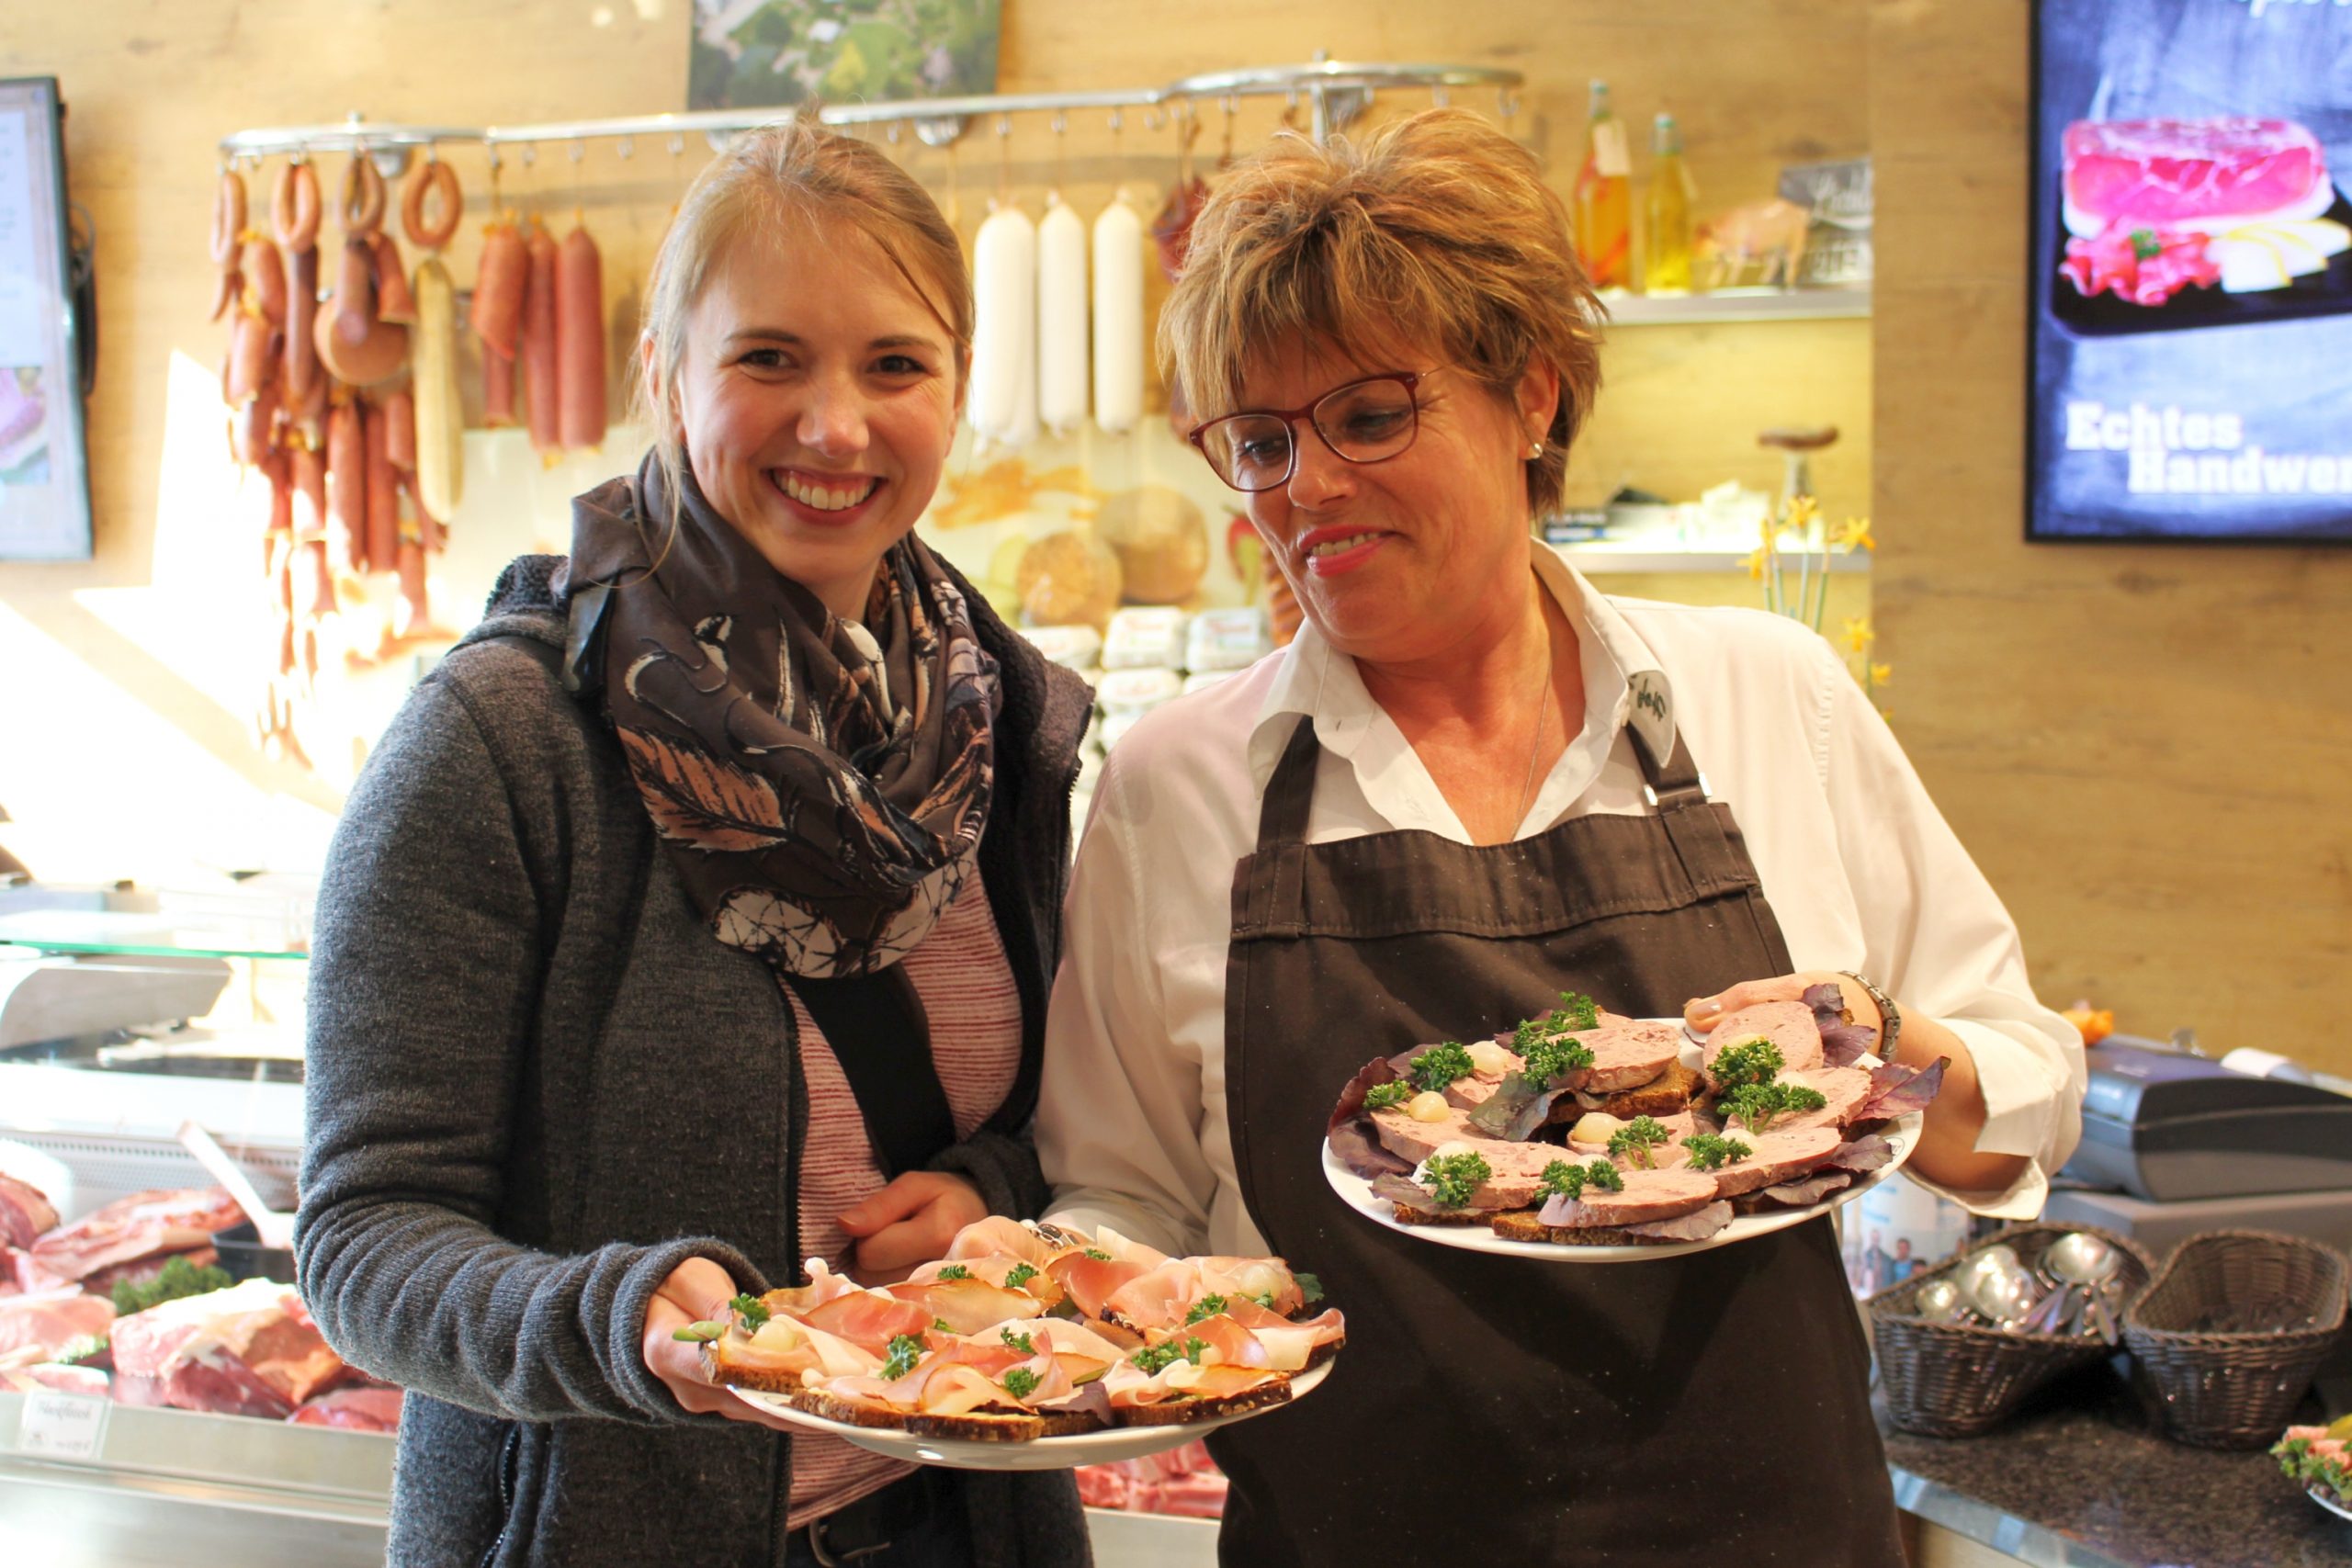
(752, 53)
(44, 487)
(2192, 270)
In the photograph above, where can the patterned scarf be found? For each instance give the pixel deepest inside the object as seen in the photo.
(819, 783)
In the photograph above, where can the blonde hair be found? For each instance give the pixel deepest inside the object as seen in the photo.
(794, 169)
(1435, 229)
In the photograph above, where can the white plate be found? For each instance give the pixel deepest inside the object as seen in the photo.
(1903, 1133)
(1043, 1453)
(2319, 1494)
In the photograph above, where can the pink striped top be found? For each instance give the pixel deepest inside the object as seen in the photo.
(966, 984)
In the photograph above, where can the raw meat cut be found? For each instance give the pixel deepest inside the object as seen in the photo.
(2207, 175)
(35, 1328)
(248, 1350)
(138, 1226)
(25, 1212)
(353, 1409)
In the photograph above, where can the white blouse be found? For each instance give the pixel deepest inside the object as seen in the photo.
(1860, 869)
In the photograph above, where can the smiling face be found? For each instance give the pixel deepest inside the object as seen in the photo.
(1398, 561)
(817, 397)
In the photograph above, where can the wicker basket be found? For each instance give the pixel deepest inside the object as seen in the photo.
(1956, 1379)
(2233, 1390)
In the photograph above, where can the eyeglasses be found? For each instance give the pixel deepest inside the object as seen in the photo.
(1369, 421)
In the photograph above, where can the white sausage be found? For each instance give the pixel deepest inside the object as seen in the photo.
(1118, 317)
(1061, 319)
(1005, 339)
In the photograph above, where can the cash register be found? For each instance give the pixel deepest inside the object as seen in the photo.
(2167, 1125)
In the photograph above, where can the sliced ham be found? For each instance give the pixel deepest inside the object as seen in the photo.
(1788, 1025)
(998, 1236)
(1775, 1157)
(1156, 1300)
(1697, 1225)
(1648, 1197)
(871, 1319)
(138, 1226)
(1089, 1281)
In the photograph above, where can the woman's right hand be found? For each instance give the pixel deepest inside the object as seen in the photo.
(696, 1290)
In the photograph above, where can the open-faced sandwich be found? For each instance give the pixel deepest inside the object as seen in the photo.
(1028, 1331)
(1584, 1128)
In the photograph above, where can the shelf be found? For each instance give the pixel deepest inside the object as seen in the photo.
(1740, 305)
(163, 935)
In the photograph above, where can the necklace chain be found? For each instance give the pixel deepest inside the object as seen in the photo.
(1535, 748)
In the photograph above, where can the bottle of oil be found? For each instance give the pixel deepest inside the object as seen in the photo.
(1666, 241)
(1604, 198)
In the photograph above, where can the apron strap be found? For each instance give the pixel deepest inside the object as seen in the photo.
(1273, 890)
(1693, 825)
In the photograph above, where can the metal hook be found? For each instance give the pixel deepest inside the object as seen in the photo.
(1118, 121)
(1439, 96)
(891, 132)
(1506, 103)
(1003, 126)
(579, 148)
(432, 152)
(625, 147)
(677, 145)
(1060, 122)
(530, 153)
(491, 149)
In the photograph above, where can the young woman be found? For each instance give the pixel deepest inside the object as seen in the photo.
(697, 916)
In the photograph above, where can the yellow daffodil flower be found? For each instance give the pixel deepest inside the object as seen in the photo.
(1855, 534)
(1755, 565)
(1880, 675)
(1859, 635)
(1803, 512)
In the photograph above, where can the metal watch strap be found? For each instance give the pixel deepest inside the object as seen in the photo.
(1890, 1017)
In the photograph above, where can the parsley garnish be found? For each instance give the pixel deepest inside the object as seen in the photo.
(752, 1309)
(1569, 1181)
(1096, 1254)
(1451, 1178)
(1577, 1012)
(1308, 1286)
(1439, 1065)
(1019, 1342)
(1636, 1138)
(942, 1326)
(1157, 1358)
(954, 1271)
(177, 1277)
(1266, 1298)
(1757, 1104)
(2145, 246)
(1387, 1096)
(1709, 1151)
(905, 1351)
(1203, 1309)
(1020, 1275)
(1756, 1061)
(1021, 1382)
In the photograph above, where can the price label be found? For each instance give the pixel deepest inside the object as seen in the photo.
(63, 1426)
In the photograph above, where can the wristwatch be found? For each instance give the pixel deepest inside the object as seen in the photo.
(1890, 1016)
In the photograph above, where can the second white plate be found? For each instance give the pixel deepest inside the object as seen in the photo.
(1043, 1453)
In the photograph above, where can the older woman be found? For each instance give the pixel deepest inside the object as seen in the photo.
(1471, 784)
(696, 915)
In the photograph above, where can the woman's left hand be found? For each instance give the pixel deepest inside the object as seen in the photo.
(1703, 1013)
(909, 1222)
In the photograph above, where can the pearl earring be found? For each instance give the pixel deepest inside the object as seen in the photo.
(1535, 449)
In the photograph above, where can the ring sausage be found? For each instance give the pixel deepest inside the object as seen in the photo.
(228, 216)
(362, 203)
(580, 340)
(430, 180)
(294, 207)
(266, 278)
(233, 284)
(542, 368)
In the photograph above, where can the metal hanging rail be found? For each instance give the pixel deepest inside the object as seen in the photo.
(1334, 89)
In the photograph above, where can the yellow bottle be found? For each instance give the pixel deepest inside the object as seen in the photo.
(1666, 252)
(1604, 199)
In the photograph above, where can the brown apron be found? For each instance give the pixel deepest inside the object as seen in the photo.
(1707, 1409)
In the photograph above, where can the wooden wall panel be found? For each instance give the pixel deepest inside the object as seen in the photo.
(2148, 750)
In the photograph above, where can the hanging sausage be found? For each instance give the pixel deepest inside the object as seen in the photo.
(1003, 404)
(579, 340)
(1118, 317)
(1061, 318)
(440, 415)
(542, 376)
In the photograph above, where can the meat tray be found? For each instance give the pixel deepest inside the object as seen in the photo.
(2323, 293)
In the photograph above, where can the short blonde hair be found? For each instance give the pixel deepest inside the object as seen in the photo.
(792, 170)
(1435, 229)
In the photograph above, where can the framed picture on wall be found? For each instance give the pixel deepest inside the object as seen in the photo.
(2191, 322)
(44, 477)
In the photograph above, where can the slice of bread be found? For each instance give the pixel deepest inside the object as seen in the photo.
(720, 1367)
(1408, 1216)
(984, 1425)
(1665, 1095)
(849, 1412)
(1178, 1411)
(1520, 1224)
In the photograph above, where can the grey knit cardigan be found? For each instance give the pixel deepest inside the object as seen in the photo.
(537, 1084)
